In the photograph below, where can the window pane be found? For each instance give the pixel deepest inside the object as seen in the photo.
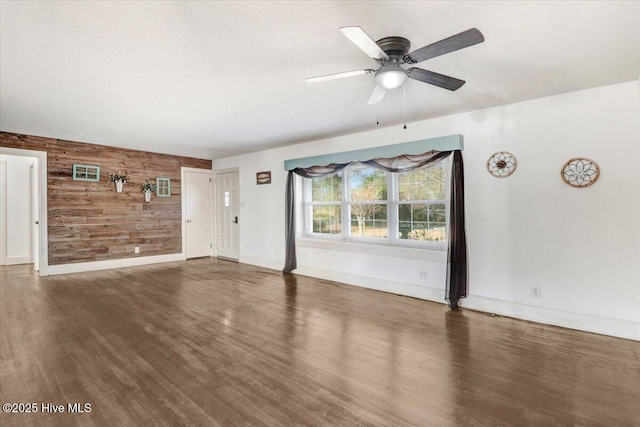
(405, 191)
(419, 221)
(423, 184)
(368, 184)
(437, 184)
(327, 219)
(327, 189)
(437, 213)
(369, 220)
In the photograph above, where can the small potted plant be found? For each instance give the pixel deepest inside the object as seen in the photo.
(119, 180)
(147, 188)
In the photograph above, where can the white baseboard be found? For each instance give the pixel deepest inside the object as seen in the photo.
(566, 319)
(408, 289)
(262, 262)
(14, 260)
(81, 267)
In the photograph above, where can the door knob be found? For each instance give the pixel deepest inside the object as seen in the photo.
(37, 222)
(188, 221)
(235, 221)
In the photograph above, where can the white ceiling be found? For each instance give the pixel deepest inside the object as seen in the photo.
(211, 79)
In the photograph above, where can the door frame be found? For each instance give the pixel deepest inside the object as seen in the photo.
(183, 203)
(215, 208)
(42, 195)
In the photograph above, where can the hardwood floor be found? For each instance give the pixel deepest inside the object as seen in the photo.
(211, 342)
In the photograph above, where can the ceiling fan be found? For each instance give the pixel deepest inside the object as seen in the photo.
(393, 52)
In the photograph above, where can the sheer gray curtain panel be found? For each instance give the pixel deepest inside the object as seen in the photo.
(456, 287)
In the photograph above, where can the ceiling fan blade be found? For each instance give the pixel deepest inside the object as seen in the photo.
(376, 95)
(364, 42)
(450, 44)
(338, 75)
(435, 79)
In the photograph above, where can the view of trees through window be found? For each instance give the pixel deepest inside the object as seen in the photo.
(421, 204)
(377, 204)
(368, 202)
(326, 195)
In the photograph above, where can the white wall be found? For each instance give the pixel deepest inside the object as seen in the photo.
(580, 246)
(16, 210)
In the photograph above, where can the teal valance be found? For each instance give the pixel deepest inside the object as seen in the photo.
(443, 143)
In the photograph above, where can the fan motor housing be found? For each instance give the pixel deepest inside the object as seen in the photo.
(394, 46)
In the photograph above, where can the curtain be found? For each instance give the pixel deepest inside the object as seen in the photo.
(290, 262)
(457, 278)
(456, 287)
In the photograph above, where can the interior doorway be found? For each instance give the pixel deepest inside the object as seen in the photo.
(23, 208)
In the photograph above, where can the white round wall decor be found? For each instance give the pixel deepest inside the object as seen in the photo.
(502, 164)
(580, 172)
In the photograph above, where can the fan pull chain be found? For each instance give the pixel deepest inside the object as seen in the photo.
(404, 102)
(377, 113)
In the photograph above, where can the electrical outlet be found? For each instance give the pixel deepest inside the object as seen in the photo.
(535, 291)
(424, 275)
(136, 250)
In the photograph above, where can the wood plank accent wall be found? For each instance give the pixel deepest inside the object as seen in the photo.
(89, 221)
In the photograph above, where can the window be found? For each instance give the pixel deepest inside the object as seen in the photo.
(407, 208)
(422, 204)
(326, 204)
(368, 191)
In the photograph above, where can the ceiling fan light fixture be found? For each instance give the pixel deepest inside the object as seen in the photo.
(391, 79)
(392, 52)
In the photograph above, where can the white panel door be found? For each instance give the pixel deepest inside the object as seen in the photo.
(35, 216)
(228, 223)
(197, 213)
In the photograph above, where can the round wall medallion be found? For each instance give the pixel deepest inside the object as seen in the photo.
(580, 172)
(501, 164)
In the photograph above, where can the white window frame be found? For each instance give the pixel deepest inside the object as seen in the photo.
(346, 187)
(308, 211)
(392, 204)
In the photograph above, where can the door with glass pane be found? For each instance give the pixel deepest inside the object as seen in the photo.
(227, 215)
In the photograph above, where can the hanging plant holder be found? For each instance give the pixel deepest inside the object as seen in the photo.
(119, 181)
(147, 188)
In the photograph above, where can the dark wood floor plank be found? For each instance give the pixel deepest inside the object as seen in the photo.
(211, 342)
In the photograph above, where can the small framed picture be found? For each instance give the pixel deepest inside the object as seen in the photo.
(163, 187)
(263, 177)
(86, 172)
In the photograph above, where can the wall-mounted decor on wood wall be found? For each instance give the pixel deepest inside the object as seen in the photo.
(502, 164)
(580, 172)
(86, 172)
(119, 180)
(88, 222)
(163, 187)
(147, 188)
(263, 177)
